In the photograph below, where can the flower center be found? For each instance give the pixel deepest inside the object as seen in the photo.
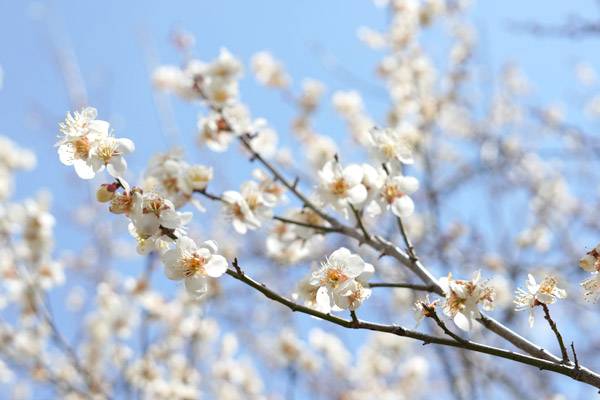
(221, 96)
(170, 183)
(454, 304)
(389, 150)
(154, 205)
(237, 211)
(121, 204)
(252, 200)
(82, 147)
(333, 275)
(192, 264)
(339, 187)
(548, 284)
(107, 149)
(391, 193)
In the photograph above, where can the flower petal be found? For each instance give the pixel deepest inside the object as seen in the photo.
(211, 246)
(403, 206)
(216, 266)
(196, 285)
(84, 170)
(126, 146)
(463, 322)
(117, 166)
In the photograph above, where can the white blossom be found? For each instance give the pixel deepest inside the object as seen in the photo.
(394, 195)
(341, 187)
(463, 297)
(193, 264)
(388, 145)
(333, 286)
(544, 293)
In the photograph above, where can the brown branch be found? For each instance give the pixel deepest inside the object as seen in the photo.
(581, 374)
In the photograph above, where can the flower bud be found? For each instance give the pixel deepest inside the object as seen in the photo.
(105, 193)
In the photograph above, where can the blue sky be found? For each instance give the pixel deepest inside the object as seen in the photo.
(108, 39)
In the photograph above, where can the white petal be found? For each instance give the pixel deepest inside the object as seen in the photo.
(531, 285)
(117, 166)
(196, 285)
(186, 243)
(170, 219)
(99, 127)
(588, 262)
(185, 217)
(353, 174)
(531, 318)
(374, 208)
(84, 170)
(357, 194)
(324, 299)
(341, 254)
(560, 293)
(211, 246)
(409, 185)
(346, 288)
(545, 298)
(403, 206)
(463, 322)
(239, 226)
(89, 113)
(125, 146)
(367, 274)
(354, 266)
(197, 205)
(173, 273)
(216, 266)
(66, 154)
(145, 246)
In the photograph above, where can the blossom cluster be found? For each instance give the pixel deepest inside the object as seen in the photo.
(177, 180)
(357, 186)
(428, 118)
(153, 218)
(463, 297)
(340, 283)
(88, 146)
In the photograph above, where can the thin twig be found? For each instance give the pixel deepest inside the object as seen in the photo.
(433, 315)
(561, 344)
(409, 247)
(413, 286)
(574, 355)
(204, 193)
(359, 221)
(307, 225)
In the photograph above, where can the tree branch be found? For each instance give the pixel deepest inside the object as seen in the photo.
(580, 374)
